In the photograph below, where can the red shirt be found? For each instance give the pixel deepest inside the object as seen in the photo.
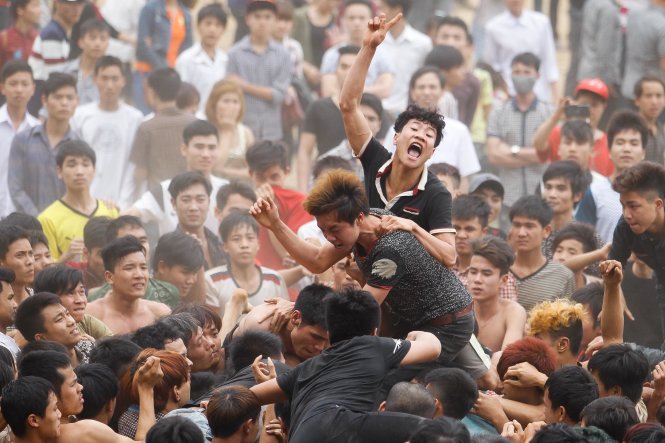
(291, 211)
(15, 45)
(600, 162)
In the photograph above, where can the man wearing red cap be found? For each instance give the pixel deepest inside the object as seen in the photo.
(590, 93)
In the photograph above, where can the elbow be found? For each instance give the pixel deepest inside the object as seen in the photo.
(435, 349)
(346, 105)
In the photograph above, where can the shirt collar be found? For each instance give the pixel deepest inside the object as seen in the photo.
(407, 35)
(387, 167)
(201, 55)
(246, 45)
(516, 108)
(28, 119)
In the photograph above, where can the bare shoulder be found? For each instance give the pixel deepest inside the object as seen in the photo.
(511, 308)
(157, 308)
(92, 431)
(96, 308)
(252, 319)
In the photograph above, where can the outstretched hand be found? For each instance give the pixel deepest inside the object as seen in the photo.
(377, 28)
(265, 212)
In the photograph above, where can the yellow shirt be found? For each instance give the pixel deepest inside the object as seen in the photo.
(63, 224)
(479, 123)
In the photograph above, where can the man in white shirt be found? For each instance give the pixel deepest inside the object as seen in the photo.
(204, 63)
(516, 31)
(123, 15)
(201, 151)
(408, 48)
(17, 85)
(109, 126)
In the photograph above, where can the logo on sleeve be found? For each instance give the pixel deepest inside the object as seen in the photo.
(384, 268)
(398, 344)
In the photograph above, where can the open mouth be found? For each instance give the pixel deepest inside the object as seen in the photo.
(414, 150)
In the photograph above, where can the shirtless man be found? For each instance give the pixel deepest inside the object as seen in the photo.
(123, 308)
(54, 367)
(500, 321)
(303, 334)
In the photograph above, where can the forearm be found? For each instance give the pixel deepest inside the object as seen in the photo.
(302, 251)
(581, 261)
(260, 92)
(146, 412)
(522, 412)
(197, 293)
(232, 312)
(269, 415)
(540, 138)
(441, 250)
(611, 317)
(291, 276)
(501, 156)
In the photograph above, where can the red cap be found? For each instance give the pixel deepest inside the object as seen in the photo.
(595, 85)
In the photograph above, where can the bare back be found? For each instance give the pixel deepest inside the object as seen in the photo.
(147, 313)
(89, 431)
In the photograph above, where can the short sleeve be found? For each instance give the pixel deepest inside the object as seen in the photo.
(139, 154)
(621, 242)
(287, 381)
(393, 350)
(494, 124)
(310, 124)
(387, 267)
(440, 213)
(373, 156)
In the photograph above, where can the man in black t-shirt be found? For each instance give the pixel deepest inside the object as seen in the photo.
(332, 395)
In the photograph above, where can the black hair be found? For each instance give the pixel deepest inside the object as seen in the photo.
(29, 320)
(414, 112)
(404, 4)
(204, 382)
(22, 398)
(410, 398)
(7, 275)
(74, 148)
(37, 237)
(178, 248)
(100, 386)
(582, 232)
(229, 408)
(444, 57)
(6, 370)
(165, 82)
(646, 178)
(93, 25)
(106, 61)
(243, 349)
(265, 154)
(57, 81)
(424, 71)
(187, 96)
(186, 180)
(613, 415)
(14, 5)
(373, 102)
(115, 225)
(527, 59)
(14, 67)
(58, 279)
(174, 430)
(573, 388)
(115, 352)
(367, 3)
(328, 162)
(311, 304)
(457, 22)
(639, 85)
(592, 296)
(620, 365)
(558, 433)
(441, 430)
(532, 207)
(348, 49)
(645, 433)
(627, 120)
(22, 220)
(94, 232)
(8, 235)
(45, 364)
(199, 128)
(488, 438)
(447, 170)
(155, 335)
(235, 187)
(351, 314)
(577, 130)
(204, 315)
(470, 206)
(118, 249)
(41, 345)
(234, 220)
(214, 10)
(569, 171)
(184, 324)
(455, 389)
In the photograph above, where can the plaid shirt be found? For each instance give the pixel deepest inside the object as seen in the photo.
(32, 179)
(508, 289)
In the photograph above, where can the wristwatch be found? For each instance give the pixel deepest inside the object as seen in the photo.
(515, 149)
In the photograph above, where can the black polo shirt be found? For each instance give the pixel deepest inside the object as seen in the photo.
(429, 203)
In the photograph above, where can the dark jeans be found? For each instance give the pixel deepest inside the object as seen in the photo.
(340, 425)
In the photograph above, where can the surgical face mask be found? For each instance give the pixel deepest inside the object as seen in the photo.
(523, 83)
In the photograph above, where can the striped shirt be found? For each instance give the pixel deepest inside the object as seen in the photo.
(515, 127)
(550, 282)
(50, 51)
(270, 69)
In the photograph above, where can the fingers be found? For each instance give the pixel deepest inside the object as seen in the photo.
(393, 21)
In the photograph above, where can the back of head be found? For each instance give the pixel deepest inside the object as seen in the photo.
(178, 249)
(620, 366)
(244, 348)
(94, 232)
(559, 319)
(22, 398)
(558, 433)
(122, 222)
(468, 206)
(230, 407)
(340, 192)
(590, 295)
(328, 163)
(532, 207)
(155, 335)
(311, 304)
(115, 352)
(441, 430)
(496, 251)
(613, 415)
(645, 433)
(410, 398)
(100, 386)
(174, 430)
(41, 345)
(265, 154)
(573, 388)
(188, 97)
(529, 350)
(456, 391)
(165, 82)
(29, 320)
(646, 178)
(45, 364)
(351, 314)
(119, 249)
(373, 102)
(624, 121)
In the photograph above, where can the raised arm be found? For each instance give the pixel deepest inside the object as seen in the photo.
(316, 259)
(355, 125)
(611, 317)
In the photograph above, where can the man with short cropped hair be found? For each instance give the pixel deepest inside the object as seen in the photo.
(178, 259)
(16, 254)
(567, 392)
(31, 410)
(7, 309)
(650, 102)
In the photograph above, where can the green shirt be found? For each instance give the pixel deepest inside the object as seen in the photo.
(156, 290)
(93, 327)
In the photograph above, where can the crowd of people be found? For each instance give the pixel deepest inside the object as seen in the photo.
(362, 221)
